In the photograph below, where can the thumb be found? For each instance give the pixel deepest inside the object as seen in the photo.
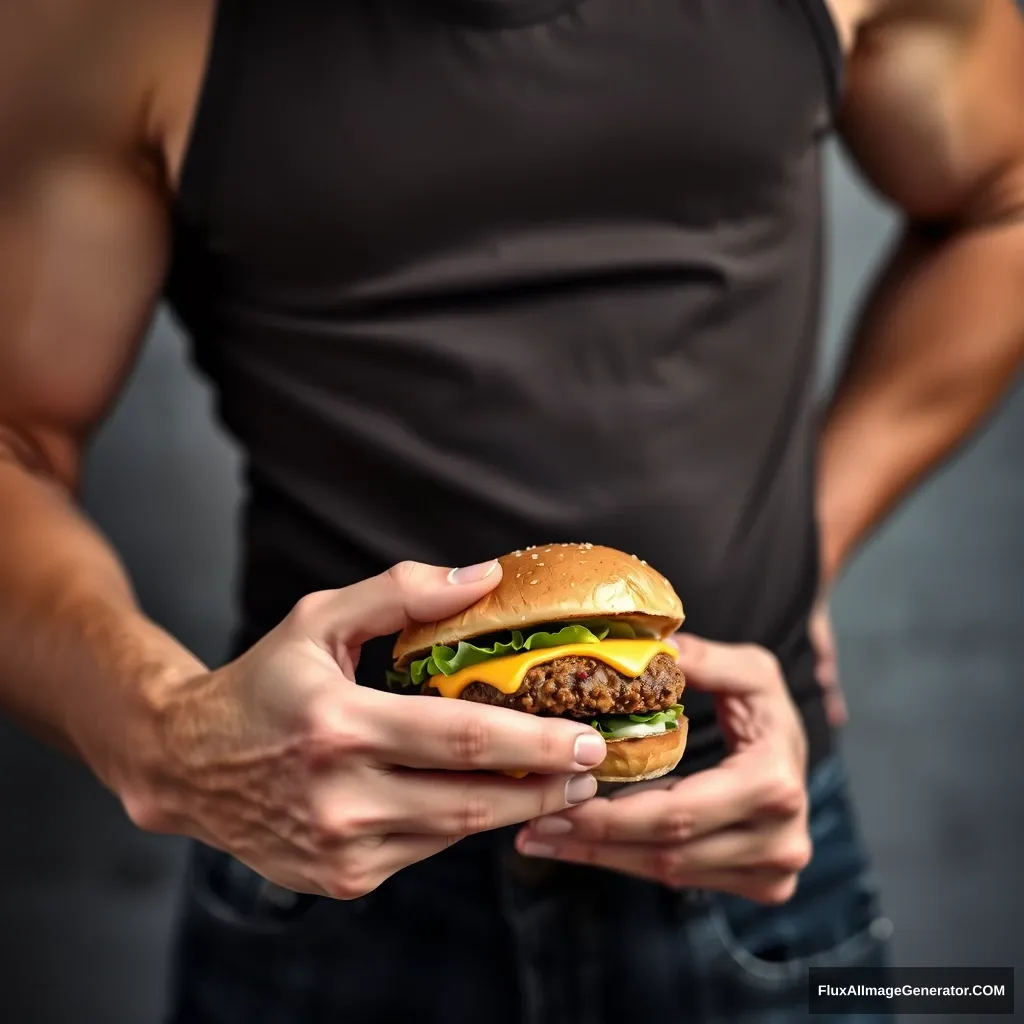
(726, 668)
(407, 592)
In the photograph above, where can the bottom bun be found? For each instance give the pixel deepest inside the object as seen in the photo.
(644, 758)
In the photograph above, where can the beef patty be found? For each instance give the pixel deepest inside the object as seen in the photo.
(584, 687)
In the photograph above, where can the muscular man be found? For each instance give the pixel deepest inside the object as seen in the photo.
(470, 275)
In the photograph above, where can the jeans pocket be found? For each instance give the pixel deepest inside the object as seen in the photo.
(244, 950)
(833, 920)
(771, 957)
(222, 890)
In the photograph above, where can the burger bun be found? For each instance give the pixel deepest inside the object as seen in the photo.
(557, 583)
(645, 757)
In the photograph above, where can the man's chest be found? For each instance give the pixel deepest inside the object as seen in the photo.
(335, 142)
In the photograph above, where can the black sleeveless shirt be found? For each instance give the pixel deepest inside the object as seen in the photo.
(471, 275)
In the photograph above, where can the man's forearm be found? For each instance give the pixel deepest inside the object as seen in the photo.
(78, 660)
(939, 343)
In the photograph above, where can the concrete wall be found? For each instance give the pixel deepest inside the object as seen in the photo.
(932, 651)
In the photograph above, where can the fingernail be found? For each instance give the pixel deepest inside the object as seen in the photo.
(552, 826)
(589, 749)
(580, 788)
(473, 573)
(532, 849)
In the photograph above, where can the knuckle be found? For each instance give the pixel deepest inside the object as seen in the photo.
(332, 825)
(469, 739)
(354, 873)
(677, 825)
(784, 794)
(404, 575)
(792, 856)
(764, 666)
(146, 812)
(548, 742)
(351, 885)
(588, 854)
(306, 611)
(667, 867)
(549, 798)
(333, 732)
(599, 829)
(477, 814)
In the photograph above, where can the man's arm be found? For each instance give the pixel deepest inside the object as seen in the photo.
(82, 254)
(278, 757)
(934, 115)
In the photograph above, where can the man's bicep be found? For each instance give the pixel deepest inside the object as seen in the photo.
(82, 259)
(934, 110)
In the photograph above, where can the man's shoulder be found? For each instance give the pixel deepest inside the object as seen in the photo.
(90, 74)
(949, 13)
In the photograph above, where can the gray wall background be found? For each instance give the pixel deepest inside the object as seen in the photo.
(929, 622)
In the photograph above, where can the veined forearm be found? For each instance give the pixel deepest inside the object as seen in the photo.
(78, 659)
(938, 344)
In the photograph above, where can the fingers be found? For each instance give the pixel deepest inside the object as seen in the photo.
(437, 803)
(836, 709)
(402, 817)
(460, 735)
(384, 604)
(827, 667)
(761, 862)
(740, 827)
(674, 869)
(739, 792)
(727, 668)
(366, 865)
(761, 848)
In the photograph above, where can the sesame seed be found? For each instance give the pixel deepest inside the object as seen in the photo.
(533, 583)
(539, 564)
(533, 556)
(642, 562)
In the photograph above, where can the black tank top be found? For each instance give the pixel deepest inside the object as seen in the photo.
(471, 275)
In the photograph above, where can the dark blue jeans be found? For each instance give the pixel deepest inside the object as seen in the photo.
(479, 933)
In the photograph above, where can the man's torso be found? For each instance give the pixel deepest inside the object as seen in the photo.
(471, 276)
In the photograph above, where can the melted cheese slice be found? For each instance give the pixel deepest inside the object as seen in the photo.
(630, 657)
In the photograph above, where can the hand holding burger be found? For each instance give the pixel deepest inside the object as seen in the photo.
(573, 631)
(740, 827)
(588, 634)
(327, 787)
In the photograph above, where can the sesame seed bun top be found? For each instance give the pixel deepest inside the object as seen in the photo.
(557, 583)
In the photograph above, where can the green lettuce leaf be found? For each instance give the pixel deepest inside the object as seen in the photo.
(397, 680)
(610, 726)
(444, 660)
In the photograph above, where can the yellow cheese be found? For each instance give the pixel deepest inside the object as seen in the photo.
(630, 657)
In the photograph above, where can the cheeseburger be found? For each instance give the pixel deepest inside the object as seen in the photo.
(573, 630)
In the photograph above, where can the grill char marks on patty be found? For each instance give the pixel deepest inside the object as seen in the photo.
(584, 687)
